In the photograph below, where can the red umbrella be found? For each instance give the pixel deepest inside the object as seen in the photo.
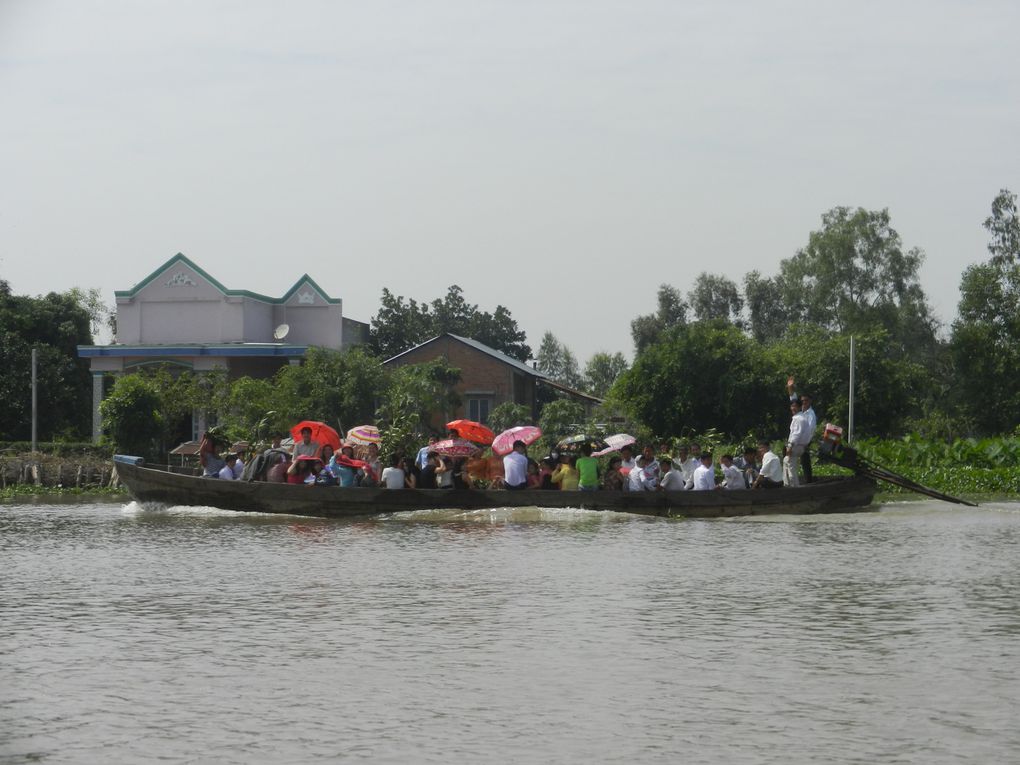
(472, 431)
(321, 433)
(456, 447)
(504, 442)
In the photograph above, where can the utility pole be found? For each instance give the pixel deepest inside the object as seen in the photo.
(35, 397)
(850, 427)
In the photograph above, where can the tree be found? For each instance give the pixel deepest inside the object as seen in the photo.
(555, 361)
(768, 315)
(854, 276)
(716, 297)
(131, 416)
(559, 419)
(670, 313)
(986, 335)
(416, 393)
(400, 325)
(702, 376)
(508, 415)
(56, 325)
(601, 371)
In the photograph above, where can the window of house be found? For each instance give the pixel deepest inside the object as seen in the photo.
(478, 409)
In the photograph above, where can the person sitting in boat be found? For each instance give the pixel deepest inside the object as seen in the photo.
(410, 472)
(515, 467)
(534, 474)
(371, 474)
(227, 471)
(461, 478)
(208, 454)
(304, 469)
(306, 447)
(587, 470)
(565, 475)
(614, 480)
(393, 475)
(444, 473)
(344, 468)
(771, 474)
(733, 477)
(239, 464)
(748, 465)
(275, 443)
(546, 469)
(427, 477)
(627, 457)
(672, 479)
(325, 453)
(704, 476)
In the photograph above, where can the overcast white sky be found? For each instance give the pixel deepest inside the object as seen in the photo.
(562, 157)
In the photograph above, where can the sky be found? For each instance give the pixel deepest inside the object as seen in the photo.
(562, 158)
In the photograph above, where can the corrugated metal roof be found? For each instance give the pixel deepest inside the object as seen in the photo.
(519, 365)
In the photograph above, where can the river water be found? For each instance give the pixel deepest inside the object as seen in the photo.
(132, 635)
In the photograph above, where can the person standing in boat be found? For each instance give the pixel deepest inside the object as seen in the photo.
(771, 474)
(627, 457)
(614, 480)
(515, 467)
(587, 470)
(811, 425)
(794, 446)
(306, 447)
(208, 455)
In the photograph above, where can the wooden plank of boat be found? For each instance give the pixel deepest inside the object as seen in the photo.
(147, 485)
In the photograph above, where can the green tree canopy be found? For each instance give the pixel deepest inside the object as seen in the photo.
(716, 297)
(671, 312)
(132, 416)
(55, 324)
(402, 324)
(556, 361)
(602, 371)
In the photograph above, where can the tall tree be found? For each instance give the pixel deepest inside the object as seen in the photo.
(601, 371)
(557, 362)
(854, 275)
(400, 325)
(768, 316)
(716, 297)
(986, 335)
(671, 312)
(55, 324)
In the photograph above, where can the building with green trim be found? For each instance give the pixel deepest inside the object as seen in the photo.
(181, 315)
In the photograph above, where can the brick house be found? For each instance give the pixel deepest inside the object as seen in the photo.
(488, 378)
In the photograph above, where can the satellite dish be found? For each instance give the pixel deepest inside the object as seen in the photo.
(281, 332)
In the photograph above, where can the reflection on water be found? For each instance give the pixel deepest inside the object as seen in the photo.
(131, 635)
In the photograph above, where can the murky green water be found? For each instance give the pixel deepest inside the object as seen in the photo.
(188, 635)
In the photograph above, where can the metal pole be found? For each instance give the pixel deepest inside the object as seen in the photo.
(850, 427)
(35, 398)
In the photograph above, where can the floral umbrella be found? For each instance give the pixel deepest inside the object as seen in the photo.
(472, 431)
(615, 443)
(504, 442)
(363, 435)
(456, 447)
(574, 443)
(321, 433)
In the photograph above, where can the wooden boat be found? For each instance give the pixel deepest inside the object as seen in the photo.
(146, 485)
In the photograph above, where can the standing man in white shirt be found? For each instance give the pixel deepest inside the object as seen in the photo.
(704, 476)
(812, 425)
(794, 446)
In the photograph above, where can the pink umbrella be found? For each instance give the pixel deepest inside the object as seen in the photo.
(504, 442)
(456, 447)
(363, 435)
(614, 444)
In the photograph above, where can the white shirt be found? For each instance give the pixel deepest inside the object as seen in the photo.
(733, 478)
(810, 424)
(635, 479)
(798, 429)
(393, 478)
(226, 473)
(772, 467)
(704, 478)
(238, 468)
(632, 462)
(672, 481)
(515, 469)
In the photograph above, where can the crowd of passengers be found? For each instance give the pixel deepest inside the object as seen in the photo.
(308, 462)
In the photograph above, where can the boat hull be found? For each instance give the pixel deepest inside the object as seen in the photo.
(150, 486)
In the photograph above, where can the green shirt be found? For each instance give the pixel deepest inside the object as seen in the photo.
(588, 468)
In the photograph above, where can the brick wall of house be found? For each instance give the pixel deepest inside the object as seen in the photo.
(480, 373)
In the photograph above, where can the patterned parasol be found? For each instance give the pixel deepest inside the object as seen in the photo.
(574, 443)
(472, 431)
(363, 435)
(456, 447)
(504, 442)
(615, 443)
